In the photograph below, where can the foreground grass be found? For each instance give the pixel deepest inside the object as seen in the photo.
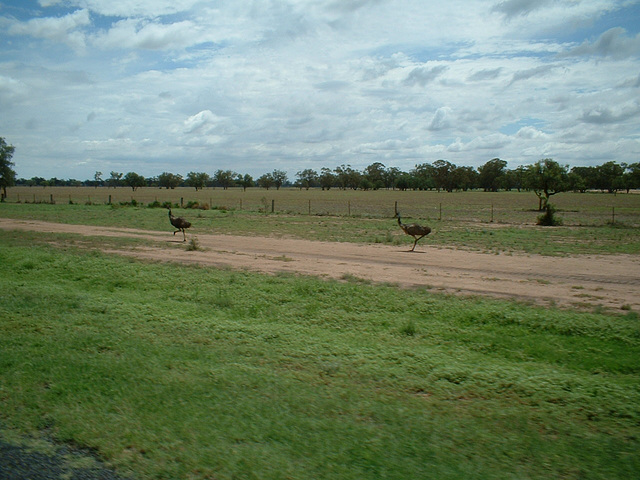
(486, 237)
(186, 372)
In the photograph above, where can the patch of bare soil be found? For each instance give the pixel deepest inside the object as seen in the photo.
(610, 281)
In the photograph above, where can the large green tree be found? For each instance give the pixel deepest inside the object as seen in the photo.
(491, 174)
(7, 173)
(546, 177)
(197, 180)
(134, 180)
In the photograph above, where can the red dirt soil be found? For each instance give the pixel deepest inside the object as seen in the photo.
(610, 281)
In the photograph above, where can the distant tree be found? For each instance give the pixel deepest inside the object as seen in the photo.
(245, 181)
(588, 177)
(307, 178)
(134, 181)
(326, 179)
(491, 174)
(375, 174)
(169, 180)
(266, 181)
(97, 179)
(443, 175)
(7, 173)
(465, 178)
(347, 177)
(224, 178)
(633, 174)
(114, 180)
(546, 178)
(279, 178)
(391, 175)
(197, 180)
(423, 175)
(609, 177)
(406, 182)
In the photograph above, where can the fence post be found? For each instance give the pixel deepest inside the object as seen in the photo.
(309, 207)
(109, 200)
(491, 213)
(273, 205)
(51, 199)
(613, 215)
(181, 202)
(395, 208)
(440, 214)
(349, 208)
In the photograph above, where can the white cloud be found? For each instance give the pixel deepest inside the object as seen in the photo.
(302, 82)
(137, 34)
(613, 43)
(61, 29)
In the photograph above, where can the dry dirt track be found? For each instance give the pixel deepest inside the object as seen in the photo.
(610, 281)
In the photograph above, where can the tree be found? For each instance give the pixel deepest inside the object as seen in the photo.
(266, 181)
(375, 174)
(134, 180)
(423, 175)
(326, 179)
(224, 178)
(7, 173)
(245, 181)
(391, 175)
(465, 178)
(609, 177)
(307, 178)
(491, 174)
(197, 180)
(347, 177)
(443, 175)
(279, 178)
(169, 180)
(97, 179)
(114, 179)
(546, 177)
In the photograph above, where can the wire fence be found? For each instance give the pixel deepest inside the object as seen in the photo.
(574, 209)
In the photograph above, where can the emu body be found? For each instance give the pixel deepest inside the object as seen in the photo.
(180, 223)
(415, 230)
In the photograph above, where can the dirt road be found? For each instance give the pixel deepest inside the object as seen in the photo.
(611, 281)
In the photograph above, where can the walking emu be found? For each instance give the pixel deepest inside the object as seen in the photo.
(413, 229)
(180, 223)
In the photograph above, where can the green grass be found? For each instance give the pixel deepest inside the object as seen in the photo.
(175, 371)
(486, 237)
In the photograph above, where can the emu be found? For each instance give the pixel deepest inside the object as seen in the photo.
(413, 229)
(180, 223)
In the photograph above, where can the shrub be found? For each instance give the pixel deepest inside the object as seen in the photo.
(548, 218)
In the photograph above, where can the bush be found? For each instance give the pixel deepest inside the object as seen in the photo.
(548, 218)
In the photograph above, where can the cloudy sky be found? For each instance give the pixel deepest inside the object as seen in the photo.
(255, 85)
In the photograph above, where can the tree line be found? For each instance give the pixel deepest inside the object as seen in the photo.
(440, 175)
(545, 177)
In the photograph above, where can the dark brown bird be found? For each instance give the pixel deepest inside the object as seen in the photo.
(415, 230)
(180, 223)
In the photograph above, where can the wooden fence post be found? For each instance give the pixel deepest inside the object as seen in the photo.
(273, 205)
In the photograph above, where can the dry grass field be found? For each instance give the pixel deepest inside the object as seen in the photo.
(503, 207)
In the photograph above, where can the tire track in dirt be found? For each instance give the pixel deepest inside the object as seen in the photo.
(611, 281)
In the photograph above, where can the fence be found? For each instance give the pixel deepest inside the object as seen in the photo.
(478, 207)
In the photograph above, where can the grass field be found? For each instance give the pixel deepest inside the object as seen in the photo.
(590, 209)
(523, 236)
(172, 371)
(187, 372)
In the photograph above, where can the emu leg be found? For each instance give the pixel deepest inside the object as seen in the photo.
(185, 235)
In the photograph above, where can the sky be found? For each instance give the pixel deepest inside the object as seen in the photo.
(153, 86)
